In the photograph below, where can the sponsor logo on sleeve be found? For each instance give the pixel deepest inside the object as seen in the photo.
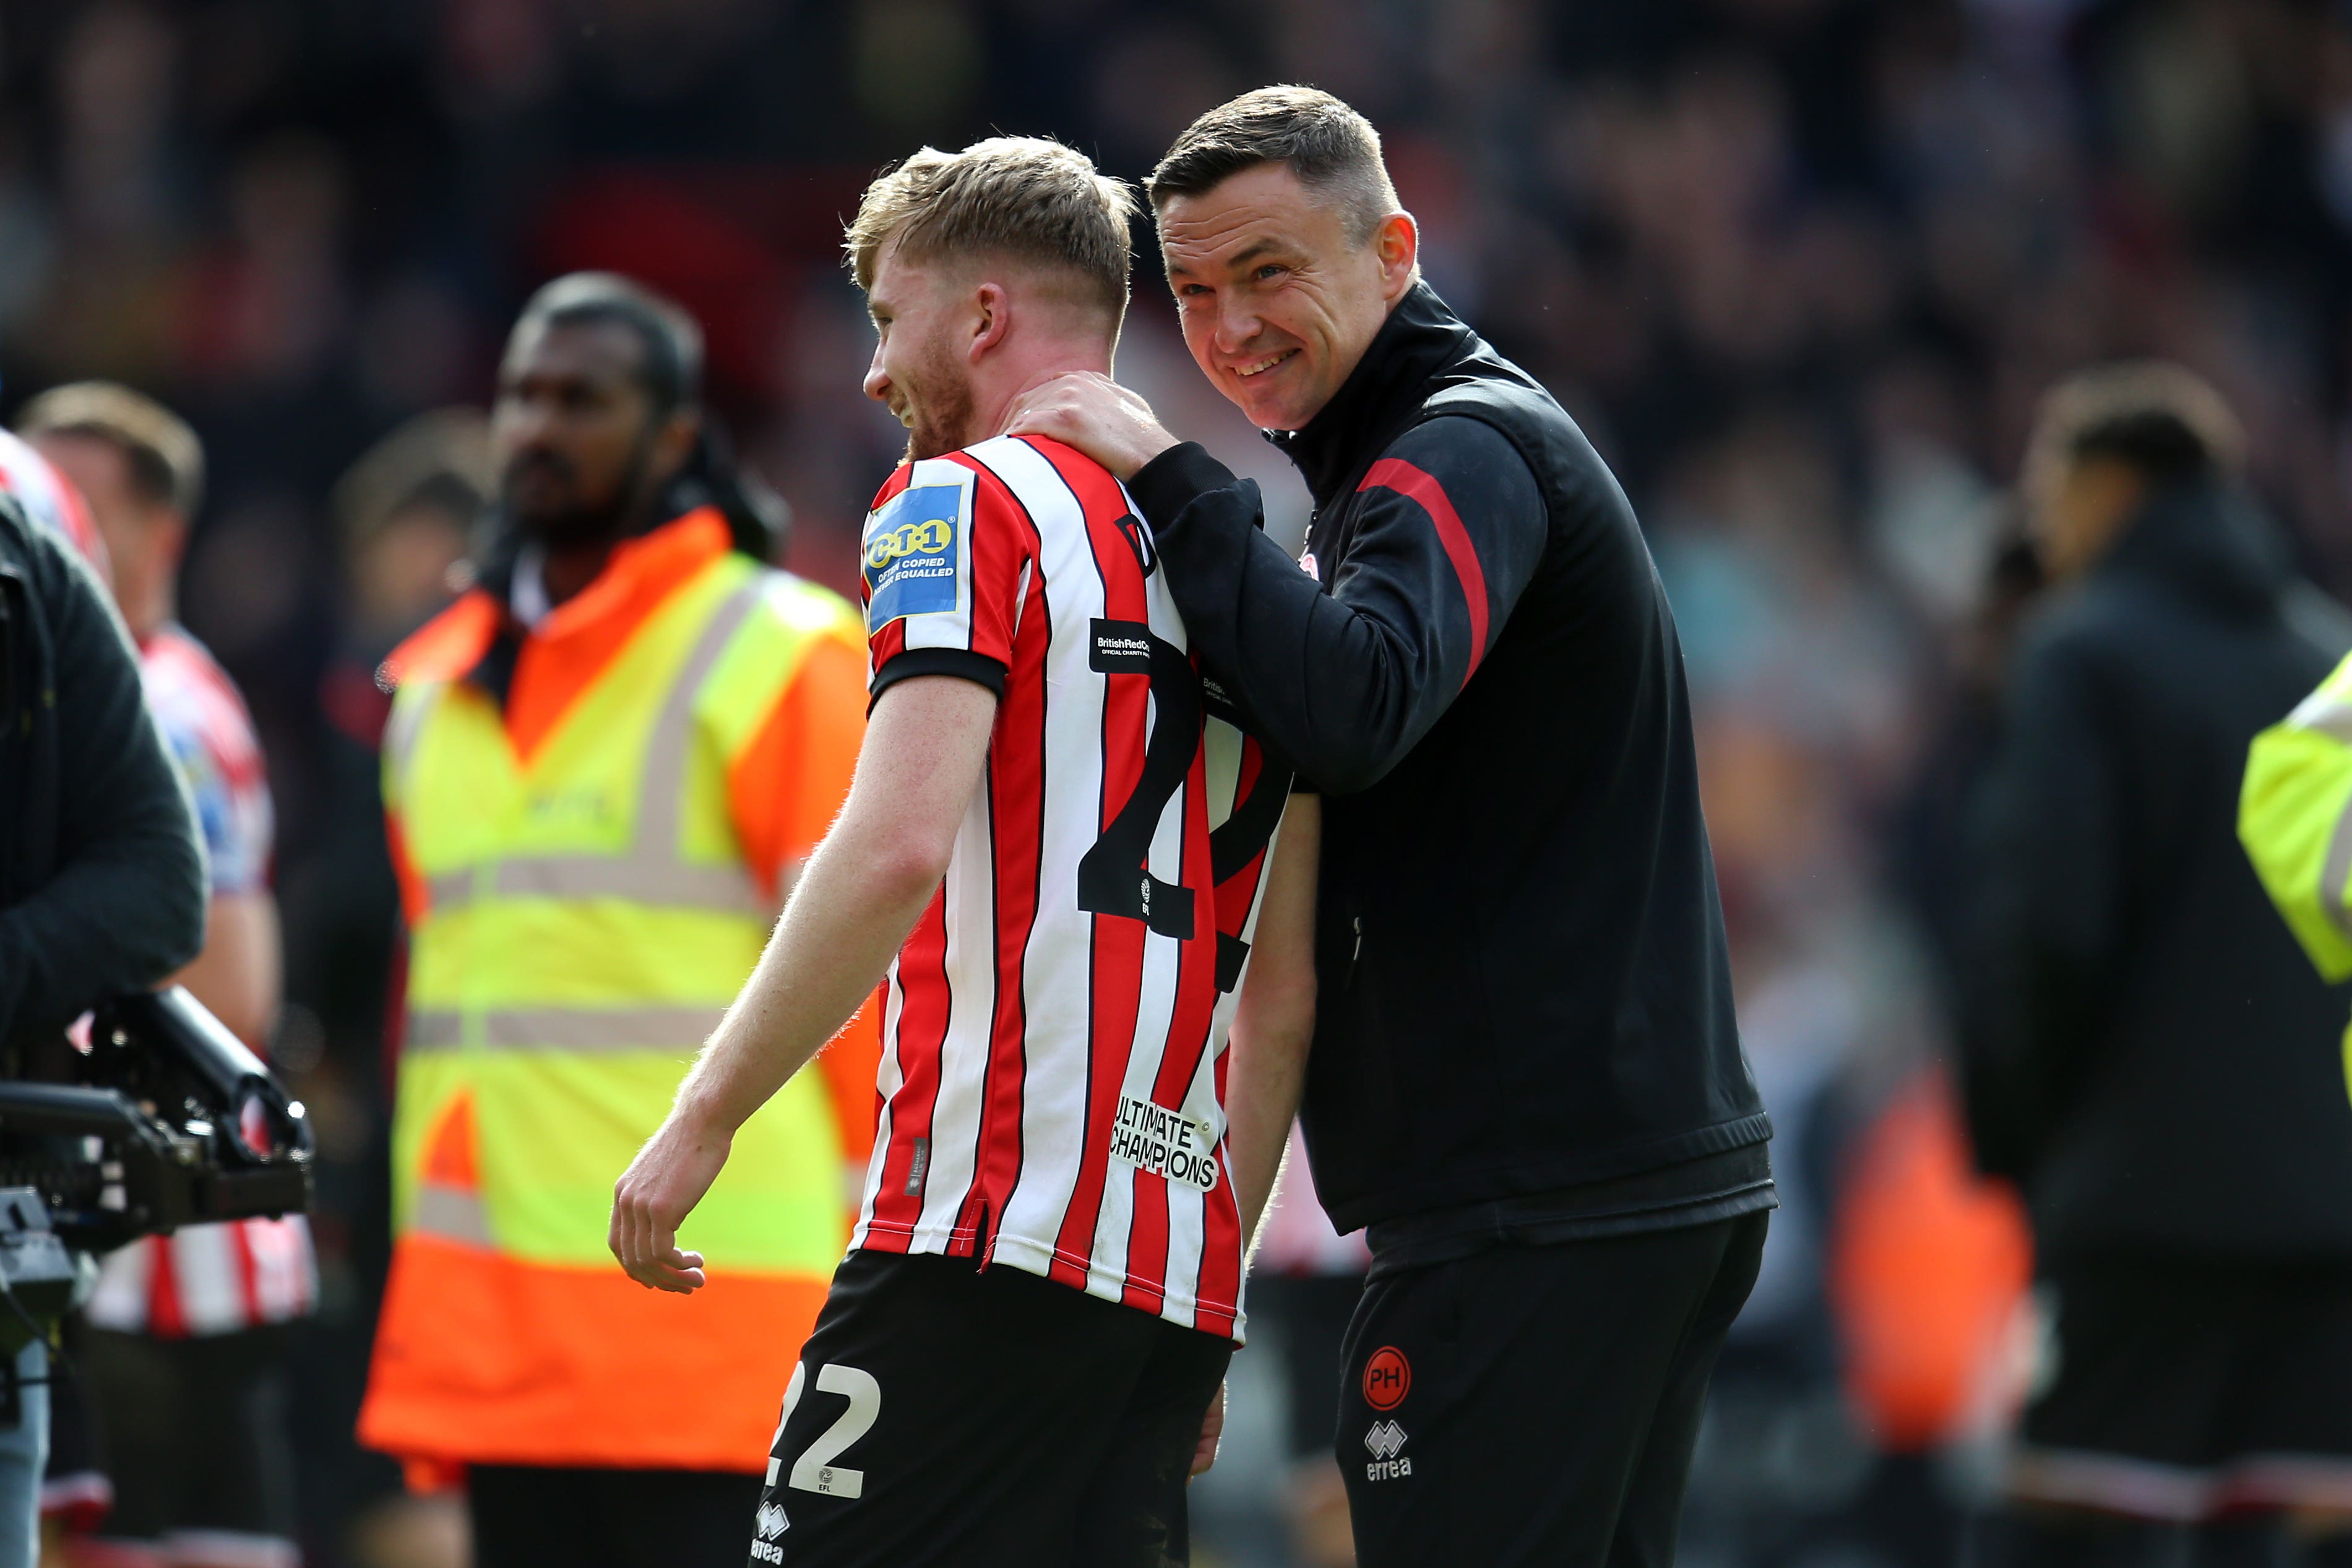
(912, 554)
(1165, 1143)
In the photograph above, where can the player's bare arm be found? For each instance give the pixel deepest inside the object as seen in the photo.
(862, 893)
(1274, 1021)
(1274, 1024)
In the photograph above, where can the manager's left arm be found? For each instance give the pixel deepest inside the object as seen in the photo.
(1447, 531)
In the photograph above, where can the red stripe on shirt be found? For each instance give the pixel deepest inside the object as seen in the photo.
(1188, 1026)
(1117, 978)
(1016, 795)
(1220, 1283)
(1417, 485)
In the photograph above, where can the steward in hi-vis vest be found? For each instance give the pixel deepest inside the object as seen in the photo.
(602, 768)
(2295, 817)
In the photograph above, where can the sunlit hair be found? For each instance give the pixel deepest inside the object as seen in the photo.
(1022, 199)
(1333, 150)
(2161, 421)
(166, 460)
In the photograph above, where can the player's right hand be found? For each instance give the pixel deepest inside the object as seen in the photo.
(1089, 411)
(652, 1199)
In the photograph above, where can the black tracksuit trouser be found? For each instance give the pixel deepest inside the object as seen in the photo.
(1538, 1404)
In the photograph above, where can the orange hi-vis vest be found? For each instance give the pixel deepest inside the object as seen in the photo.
(589, 871)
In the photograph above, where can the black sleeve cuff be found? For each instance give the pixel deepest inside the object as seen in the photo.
(956, 661)
(1175, 479)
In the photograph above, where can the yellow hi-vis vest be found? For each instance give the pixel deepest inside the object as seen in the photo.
(587, 916)
(2295, 818)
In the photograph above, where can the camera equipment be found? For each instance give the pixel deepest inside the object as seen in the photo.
(36, 1276)
(173, 1121)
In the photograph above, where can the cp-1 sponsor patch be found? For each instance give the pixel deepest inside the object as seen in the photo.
(913, 547)
(1150, 1137)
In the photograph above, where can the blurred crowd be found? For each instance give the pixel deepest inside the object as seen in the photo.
(1800, 266)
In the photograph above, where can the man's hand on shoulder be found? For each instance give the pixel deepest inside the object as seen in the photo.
(1096, 414)
(656, 1194)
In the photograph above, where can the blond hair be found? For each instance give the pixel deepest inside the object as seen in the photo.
(166, 460)
(1024, 199)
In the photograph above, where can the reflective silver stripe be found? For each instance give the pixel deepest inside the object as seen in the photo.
(565, 1028)
(2325, 713)
(637, 876)
(651, 870)
(401, 727)
(450, 1212)
(449, 889)
(661, 796)
(2336, 874)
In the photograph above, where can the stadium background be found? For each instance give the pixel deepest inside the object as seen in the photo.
(1801, 266)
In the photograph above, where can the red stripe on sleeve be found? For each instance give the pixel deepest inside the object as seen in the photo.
(1417, 485)
(1017, 796)
(999, 542)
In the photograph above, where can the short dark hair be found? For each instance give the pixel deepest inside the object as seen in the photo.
(671, 370)
(2161, 421)
(1332, 149)
(165, 460)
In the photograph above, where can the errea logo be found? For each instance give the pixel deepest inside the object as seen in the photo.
(1385, 1443)
(771, 1522)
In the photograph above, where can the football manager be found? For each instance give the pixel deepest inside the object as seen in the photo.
(1525, 1080)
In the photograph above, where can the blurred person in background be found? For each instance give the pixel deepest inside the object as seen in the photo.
(50, 501)
(184, 1357)
(403, 515)
(2295, 818)
(603, 766)
(101, 880)
(2148, 1054)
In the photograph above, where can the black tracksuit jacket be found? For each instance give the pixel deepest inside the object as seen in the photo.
(2145, 1046)
(1524, 1022)
(101, 884)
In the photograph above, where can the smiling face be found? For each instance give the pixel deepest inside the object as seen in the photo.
(917, 372)
(1277, 304)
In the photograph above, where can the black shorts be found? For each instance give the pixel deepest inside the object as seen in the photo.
(1529, 1406)
(945, 1415)
(2182, 1391)
(195, 1433)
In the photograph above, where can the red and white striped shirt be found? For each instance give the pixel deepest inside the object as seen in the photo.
(51, 501)
(216, 1278)
(1053, 1057)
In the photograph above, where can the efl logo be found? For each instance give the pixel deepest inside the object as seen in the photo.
(1387, 1378)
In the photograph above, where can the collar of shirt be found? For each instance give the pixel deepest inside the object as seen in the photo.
(528, 600)
(1420, 337)
(638, 575)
